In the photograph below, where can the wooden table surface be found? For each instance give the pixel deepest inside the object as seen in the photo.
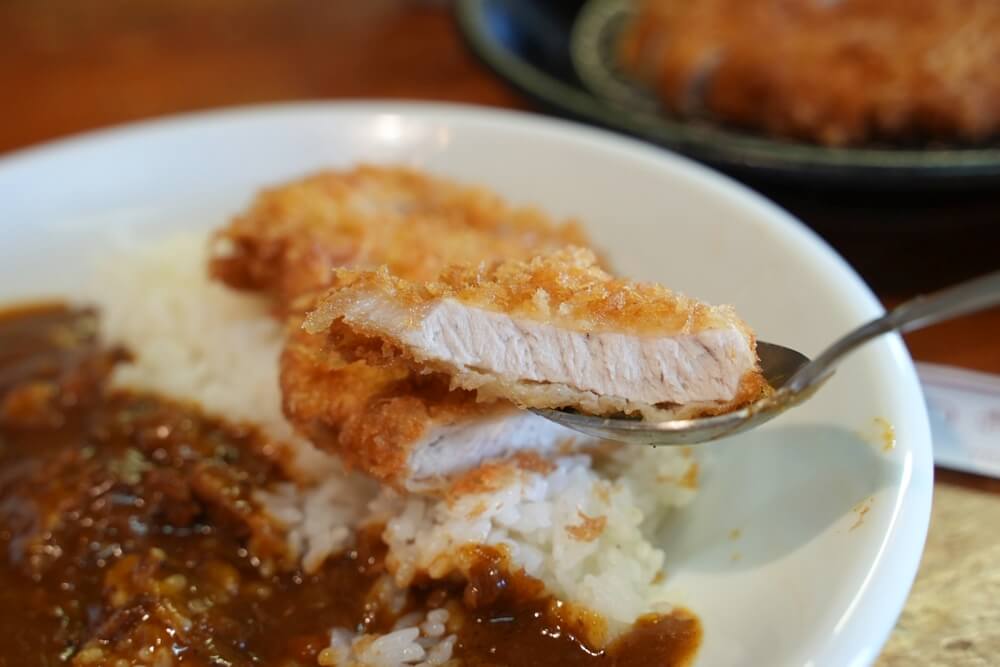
(67, 66)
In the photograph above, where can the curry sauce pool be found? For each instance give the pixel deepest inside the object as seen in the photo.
(130, 535)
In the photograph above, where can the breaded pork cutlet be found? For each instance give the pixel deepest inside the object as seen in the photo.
(555, 331)
(403, 428)
(836, 72)
(292, 237)
(399, 426)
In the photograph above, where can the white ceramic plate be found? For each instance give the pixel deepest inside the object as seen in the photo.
(806, 535)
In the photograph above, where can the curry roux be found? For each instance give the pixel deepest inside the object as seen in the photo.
(129, 535)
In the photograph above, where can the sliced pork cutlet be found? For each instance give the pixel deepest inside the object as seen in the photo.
(403, 428)
(398, 426)
(556, 331)
(292, 237)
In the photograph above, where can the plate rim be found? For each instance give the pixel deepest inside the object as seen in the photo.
(905, 542)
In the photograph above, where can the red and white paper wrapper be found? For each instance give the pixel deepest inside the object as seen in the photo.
(964, 408)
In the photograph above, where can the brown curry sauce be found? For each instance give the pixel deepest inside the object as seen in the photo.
(128, 535)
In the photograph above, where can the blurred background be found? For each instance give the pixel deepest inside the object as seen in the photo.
(67, 66)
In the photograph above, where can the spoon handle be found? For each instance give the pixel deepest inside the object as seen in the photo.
(968, 297)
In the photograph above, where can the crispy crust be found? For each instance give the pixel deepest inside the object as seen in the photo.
(287, 245)
(292, 237)
(371, 416)
(565, 288)
(835, 73)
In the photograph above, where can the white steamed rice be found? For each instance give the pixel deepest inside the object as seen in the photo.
(616, 573)
(417, 639)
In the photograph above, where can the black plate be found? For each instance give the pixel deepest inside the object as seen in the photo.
(528, 43)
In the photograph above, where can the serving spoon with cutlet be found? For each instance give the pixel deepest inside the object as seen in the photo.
(793, 376)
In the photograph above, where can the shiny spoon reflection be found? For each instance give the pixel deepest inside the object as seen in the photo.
(793, 375)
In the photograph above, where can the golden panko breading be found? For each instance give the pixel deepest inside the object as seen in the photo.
(838, 72)
(553, 331)
(405, 429)
(293, 236)
(401, 427)
(565, 288)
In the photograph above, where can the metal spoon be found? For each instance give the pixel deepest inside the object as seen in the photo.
(793, 376)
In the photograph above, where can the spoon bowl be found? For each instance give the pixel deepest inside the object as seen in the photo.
(778, 363)
(792, 375)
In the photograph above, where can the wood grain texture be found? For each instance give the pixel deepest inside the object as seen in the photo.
(67, 66)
